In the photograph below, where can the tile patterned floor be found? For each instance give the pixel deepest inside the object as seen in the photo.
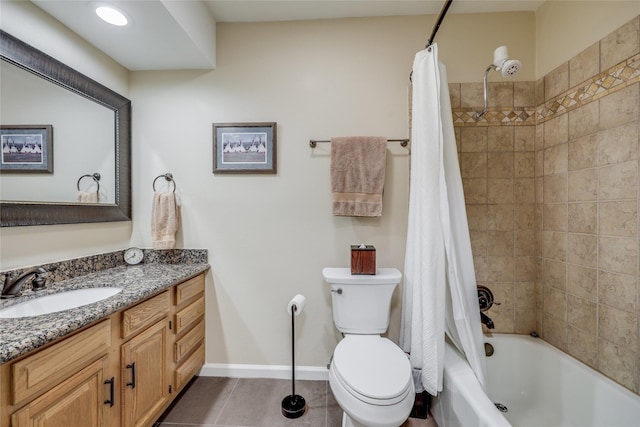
(241, 402)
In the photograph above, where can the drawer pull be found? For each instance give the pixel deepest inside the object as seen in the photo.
(111, 399)
(132, 366)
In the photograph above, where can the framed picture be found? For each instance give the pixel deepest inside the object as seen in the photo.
(244, 147)
(26, 149)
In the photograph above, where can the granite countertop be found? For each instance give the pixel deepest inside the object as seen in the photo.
(21, 335)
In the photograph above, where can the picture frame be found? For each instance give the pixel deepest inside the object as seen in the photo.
(245, 148)
(26, 149)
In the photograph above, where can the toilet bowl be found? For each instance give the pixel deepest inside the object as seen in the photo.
(370, 378)
(369, 375)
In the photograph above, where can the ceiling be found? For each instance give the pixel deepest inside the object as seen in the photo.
(186, 28)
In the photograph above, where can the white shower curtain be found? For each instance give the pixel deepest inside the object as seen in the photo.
(439, 280)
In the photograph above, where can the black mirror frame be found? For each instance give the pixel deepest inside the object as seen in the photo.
(13, 214)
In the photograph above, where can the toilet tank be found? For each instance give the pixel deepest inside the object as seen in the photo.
(361, 303)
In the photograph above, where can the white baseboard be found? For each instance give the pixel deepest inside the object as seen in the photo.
(316, 373)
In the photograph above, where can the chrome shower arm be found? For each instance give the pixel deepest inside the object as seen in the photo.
(478, 115)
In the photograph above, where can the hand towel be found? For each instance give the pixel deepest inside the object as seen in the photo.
(87, 197)
(357, 175)
(164, 221)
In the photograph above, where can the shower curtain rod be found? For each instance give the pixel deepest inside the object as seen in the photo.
(443, 12)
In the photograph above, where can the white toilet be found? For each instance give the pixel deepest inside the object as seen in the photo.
(370, 376)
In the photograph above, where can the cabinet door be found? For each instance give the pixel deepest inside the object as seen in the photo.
(144, 376)
(80, 401)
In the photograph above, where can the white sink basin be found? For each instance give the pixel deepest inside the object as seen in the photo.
(58, 302)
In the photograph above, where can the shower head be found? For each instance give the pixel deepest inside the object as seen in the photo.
(501, 61)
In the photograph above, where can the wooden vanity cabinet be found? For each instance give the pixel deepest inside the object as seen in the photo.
(122, 371)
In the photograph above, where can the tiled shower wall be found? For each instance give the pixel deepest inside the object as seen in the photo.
(551, 184)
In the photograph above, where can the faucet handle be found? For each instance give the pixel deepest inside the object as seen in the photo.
(38, 283)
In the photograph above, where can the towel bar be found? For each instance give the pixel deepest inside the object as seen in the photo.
(403, 142)
(96, 178)
(168, 177)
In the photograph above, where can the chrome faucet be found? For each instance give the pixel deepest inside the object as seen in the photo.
(485, 301)
(13, 286)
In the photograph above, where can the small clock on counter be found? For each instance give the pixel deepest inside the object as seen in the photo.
(133, 256)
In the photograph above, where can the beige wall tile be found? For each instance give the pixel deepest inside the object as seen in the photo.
(581, 313)
(480, 265)
(454, 94)
(581, 282)
(539, 163)
(502, 319)
(583, 217)
(556, 130)
(477, 217)
(471, 95)
(619, 107)
(539, 91)
(619, 181)
(554, 274)
(557, 81)
(584, 65)
(524, 94)
(500, 217)
(540, 135)
(500, 191)
(525, 321)
(618, 254)
(582, 249)
(555, 216)
(500, 138)
(556, 159)
(620, 45)
(583, 345)
(473, 165)
(500, 243)
(525, 243)
(500, 269)
(525, 269)
(618, 290)
(475, 190)
(619, 218)
(584, 120)
(500, 164)
(618, 363)
(583, 185)
(524, 164)
(504, 293)
(619, 327)
(478, 242)
(524, 190)
(554, 331)
(473, 139)
(525, 138)
(583, 152)
(554, 245)
(525, 217)
(555, 188)
(555, 303)
(618, 144)
(500, 94)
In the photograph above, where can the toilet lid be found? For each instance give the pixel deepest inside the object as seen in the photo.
(372, 366)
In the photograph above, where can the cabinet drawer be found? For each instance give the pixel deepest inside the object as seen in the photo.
(50, 366)
(188, 342)
(189, 315)
(190, 367)
(137, 318)
(189, 289)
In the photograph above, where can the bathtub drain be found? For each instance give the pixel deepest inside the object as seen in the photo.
(501, 407)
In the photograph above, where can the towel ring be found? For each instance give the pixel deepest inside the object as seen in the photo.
(96, 178)
(168, 177)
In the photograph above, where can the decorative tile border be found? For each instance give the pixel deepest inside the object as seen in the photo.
(615, 78)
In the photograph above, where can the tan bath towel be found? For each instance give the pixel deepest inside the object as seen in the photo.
(357, 175)
(87, 197)
(164, 221)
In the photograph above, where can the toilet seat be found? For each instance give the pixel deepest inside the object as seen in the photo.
(372, 369)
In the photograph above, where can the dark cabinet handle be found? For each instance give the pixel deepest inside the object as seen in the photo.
(132, 366)
(111, 399)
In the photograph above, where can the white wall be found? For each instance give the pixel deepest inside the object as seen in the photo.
(269, 236)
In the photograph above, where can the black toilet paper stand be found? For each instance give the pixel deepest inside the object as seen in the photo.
(293, 406)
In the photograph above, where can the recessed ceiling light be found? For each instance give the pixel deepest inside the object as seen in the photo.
(111, 15)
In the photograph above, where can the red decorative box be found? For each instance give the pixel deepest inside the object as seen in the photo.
(363, 259)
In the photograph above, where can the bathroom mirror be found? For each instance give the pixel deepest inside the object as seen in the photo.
(114, 112)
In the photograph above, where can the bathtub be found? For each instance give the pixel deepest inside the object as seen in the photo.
(539, 386)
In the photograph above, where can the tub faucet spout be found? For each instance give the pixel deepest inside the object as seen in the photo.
(13, 286)
(486, 320)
